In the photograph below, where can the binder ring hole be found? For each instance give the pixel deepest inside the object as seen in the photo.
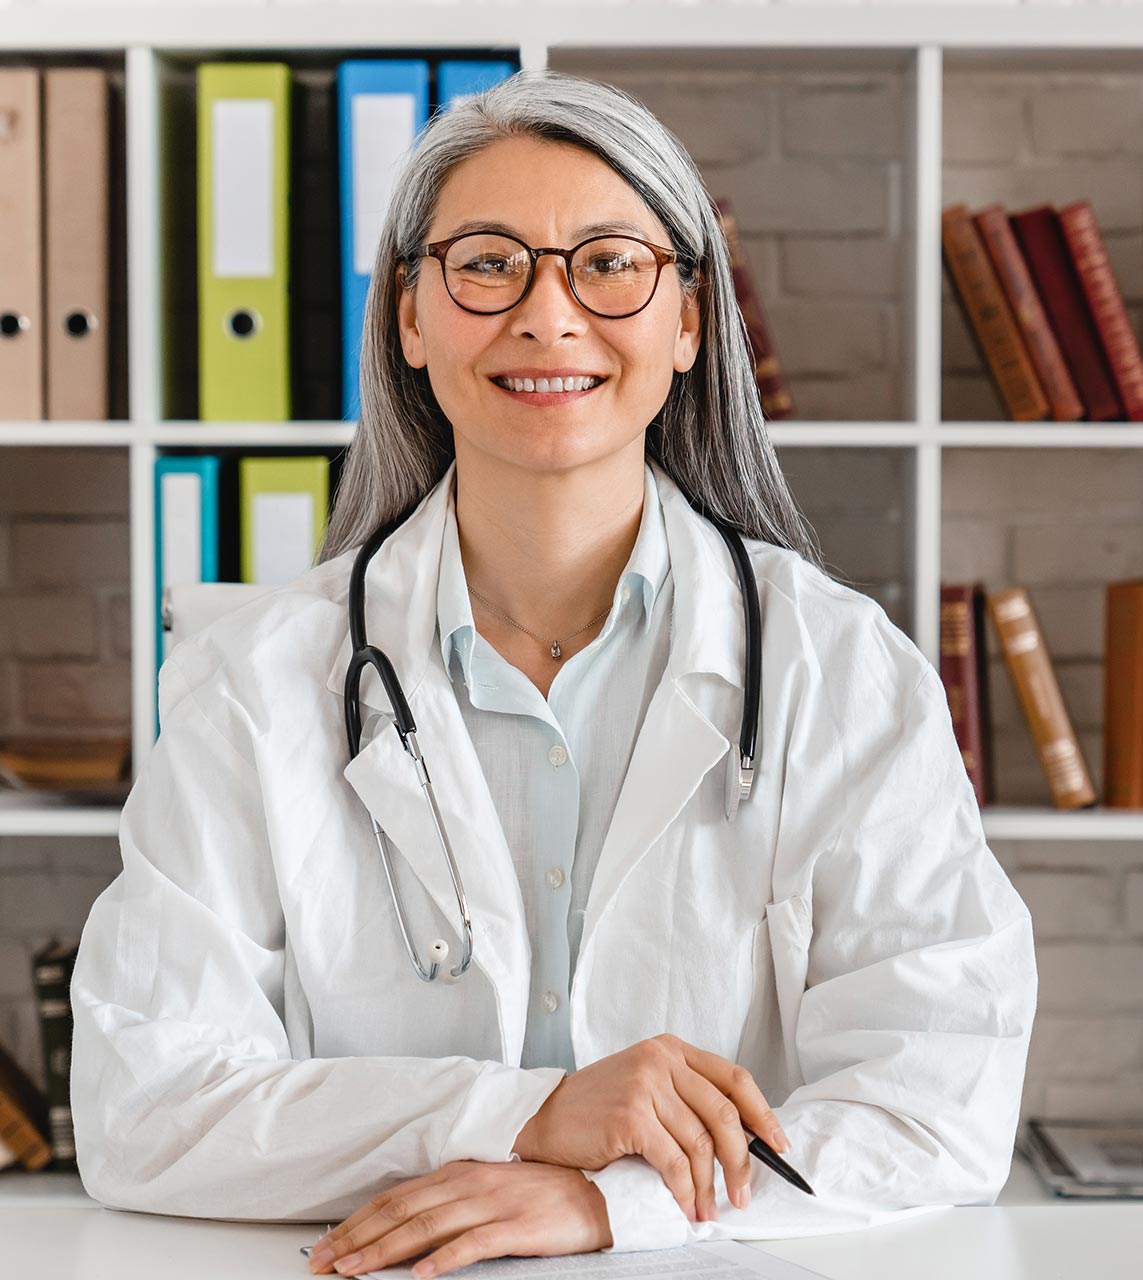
(243, 324)
(13, 324)
(78, 324)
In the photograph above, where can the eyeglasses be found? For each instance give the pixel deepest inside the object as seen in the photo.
(487, 273)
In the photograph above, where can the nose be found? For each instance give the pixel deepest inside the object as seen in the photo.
(549, 310)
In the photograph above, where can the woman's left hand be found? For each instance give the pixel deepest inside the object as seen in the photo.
(469, 1210)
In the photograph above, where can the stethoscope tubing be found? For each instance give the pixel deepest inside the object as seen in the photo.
(366, 655)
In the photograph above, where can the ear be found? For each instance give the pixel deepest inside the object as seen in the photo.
(689, 336)
(412, 343)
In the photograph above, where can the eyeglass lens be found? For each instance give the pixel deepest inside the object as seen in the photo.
(611, 275)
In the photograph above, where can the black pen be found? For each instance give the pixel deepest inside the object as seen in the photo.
(771, 1158)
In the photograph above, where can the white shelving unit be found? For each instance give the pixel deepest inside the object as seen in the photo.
(145, 36)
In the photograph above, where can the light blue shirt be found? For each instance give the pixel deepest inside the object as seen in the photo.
(555, 765)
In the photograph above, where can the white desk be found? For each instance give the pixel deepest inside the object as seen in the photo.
(49, 1227)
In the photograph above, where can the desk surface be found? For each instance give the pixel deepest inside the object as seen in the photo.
(48, 1227)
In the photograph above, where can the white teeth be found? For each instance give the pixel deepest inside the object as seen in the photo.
(550, 385)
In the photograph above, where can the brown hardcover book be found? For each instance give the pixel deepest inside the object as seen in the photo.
(1120, 346)
(989, 316)
(23, 1114)
(964, 667)
(772, 385)
(1028, 312)
(1123, 697)
(1032, 674)
(1046, 252)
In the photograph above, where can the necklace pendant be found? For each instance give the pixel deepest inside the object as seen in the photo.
(556, 649)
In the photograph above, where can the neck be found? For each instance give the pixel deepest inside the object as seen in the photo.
(548, 548)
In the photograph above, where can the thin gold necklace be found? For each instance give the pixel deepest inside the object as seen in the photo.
(556, 651)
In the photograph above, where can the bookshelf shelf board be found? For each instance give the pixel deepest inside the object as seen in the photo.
(43, 1189)
(39, 434)
(44, 816)
(1032, 822)
(194, 434)
(1041, 435)
(723, 24)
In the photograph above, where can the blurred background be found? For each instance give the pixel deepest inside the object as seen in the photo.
(957, 400)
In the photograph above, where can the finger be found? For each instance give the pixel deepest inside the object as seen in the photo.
(661, 1149)
(492, 1240)
(381, 1212)
(693, 1136)
(431, 1227)
(738, 1085)
(718, 1114)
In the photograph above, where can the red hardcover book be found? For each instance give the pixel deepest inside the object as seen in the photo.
(1120, 345)
(1049, 259)
(964, 666)
(1028, 312)
(772, 385)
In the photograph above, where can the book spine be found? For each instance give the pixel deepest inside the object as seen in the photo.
(52, 972)
(959, 668)
(1123, 697)
(989, 317)
(23, 1114)
(1039, 235)
(1028, 312)
(1120, 346)
(21, 1136)
(1030, 667)
(772, 386)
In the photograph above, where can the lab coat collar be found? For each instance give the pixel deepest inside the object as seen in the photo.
(675, 748)
(401, 596)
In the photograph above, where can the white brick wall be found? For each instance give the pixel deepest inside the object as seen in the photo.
(1025, 136)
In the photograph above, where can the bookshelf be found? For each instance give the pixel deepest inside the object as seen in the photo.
(915, 52)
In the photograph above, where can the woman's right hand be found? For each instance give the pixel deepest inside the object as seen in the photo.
(665, 1100)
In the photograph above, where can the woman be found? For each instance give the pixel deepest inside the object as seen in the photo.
(251, 1039)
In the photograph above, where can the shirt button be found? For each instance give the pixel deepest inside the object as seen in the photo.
(625, 594)
(555, 877)
(557, 756)
(551, 1002)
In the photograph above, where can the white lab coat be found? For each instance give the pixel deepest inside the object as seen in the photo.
(252, 1043)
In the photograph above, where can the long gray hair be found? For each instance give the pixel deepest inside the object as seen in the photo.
(709, 436)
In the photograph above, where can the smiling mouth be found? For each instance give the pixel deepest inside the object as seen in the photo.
(549, 386)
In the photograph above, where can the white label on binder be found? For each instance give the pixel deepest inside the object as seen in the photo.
(243, 185)
(384, 125)
(182, 527)
(283, 536)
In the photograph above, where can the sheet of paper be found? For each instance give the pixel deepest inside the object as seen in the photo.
(715, 1260)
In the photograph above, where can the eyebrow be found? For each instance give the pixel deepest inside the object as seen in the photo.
(584, 233)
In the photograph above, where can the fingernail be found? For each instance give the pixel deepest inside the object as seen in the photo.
(320, 1257)
(425, 1269)
(787, 1145)
(347, 1264)
(744, 1196)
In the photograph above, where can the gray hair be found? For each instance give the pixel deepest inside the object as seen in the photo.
(710, 434)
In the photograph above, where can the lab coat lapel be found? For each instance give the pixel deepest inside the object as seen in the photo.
(678, 743)
(400, 608)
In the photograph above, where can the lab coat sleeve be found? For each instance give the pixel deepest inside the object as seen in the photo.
(913, 1030)
(186, 1098)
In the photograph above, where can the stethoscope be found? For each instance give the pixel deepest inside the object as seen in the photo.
(740, 774)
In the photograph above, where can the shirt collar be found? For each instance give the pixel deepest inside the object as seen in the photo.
(643, 578)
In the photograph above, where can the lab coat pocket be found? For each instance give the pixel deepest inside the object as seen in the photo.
(768, 1048)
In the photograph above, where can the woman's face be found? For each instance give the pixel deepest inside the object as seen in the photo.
(545, 193)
